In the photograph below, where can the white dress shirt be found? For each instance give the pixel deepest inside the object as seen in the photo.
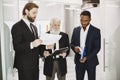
(83, 36)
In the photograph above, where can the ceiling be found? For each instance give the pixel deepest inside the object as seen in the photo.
(71, 3)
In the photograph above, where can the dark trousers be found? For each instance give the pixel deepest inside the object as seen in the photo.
(28, 74)
(80, 72)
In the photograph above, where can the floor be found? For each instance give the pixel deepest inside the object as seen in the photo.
(100, 74)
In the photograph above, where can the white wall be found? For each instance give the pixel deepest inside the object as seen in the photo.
(109, 20)
(65, 1)
(0, 42)
(112, 28)
(10, 10)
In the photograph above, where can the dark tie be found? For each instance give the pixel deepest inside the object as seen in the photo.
(54, 46)
(33, 30)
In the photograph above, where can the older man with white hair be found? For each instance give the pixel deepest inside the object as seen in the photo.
(56, 64)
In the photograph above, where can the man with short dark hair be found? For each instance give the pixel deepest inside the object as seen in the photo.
(86, 43)
(26, 44)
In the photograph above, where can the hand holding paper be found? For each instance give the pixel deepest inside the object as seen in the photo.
(36, 42)
(46, 53)
(50, 46)
(83, 53)
(83, 60)
(76, 49)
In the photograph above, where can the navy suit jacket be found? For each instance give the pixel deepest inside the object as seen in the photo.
(93, 44)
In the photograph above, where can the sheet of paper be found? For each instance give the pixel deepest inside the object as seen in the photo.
(81, 50)
(48, 39)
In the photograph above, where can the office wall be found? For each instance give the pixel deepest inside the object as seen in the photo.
(1, 48)
(109, 15)
(10, 10)
(0, 59)
(9, 53)
(112, 29)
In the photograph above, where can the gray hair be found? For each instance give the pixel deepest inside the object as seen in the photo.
(53, 20)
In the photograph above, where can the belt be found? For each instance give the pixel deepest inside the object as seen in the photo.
(56, 57)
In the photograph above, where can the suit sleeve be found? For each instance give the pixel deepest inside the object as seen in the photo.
(64, 42)
(67, 44)
(97, 46)
(73, 40)
(41, 50)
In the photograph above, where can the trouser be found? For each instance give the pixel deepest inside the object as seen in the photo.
(28, 74)
(56, 70)
(80, 72)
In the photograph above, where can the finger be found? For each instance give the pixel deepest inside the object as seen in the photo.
(60, 54)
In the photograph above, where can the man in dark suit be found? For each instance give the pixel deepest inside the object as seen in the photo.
(86, 43)
(56, 64)
(26, 44)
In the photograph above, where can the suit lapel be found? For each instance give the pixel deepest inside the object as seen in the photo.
(25, 26)
(88, 35)
(27, 30)
(79, 30)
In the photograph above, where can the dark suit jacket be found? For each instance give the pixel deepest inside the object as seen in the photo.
(48, 64)
(93, 44)
(25, 58)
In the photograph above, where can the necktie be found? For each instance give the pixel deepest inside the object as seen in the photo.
(33, 29)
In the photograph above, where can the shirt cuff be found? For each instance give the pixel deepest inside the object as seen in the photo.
(46, 47)
(31, 46)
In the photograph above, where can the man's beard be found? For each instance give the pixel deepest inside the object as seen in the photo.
(53, 31)
(30, 19)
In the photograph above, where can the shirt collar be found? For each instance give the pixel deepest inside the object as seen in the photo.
(26, 21)
(86, 27)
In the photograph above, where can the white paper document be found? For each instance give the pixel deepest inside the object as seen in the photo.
(81, 50)
(48, 39)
